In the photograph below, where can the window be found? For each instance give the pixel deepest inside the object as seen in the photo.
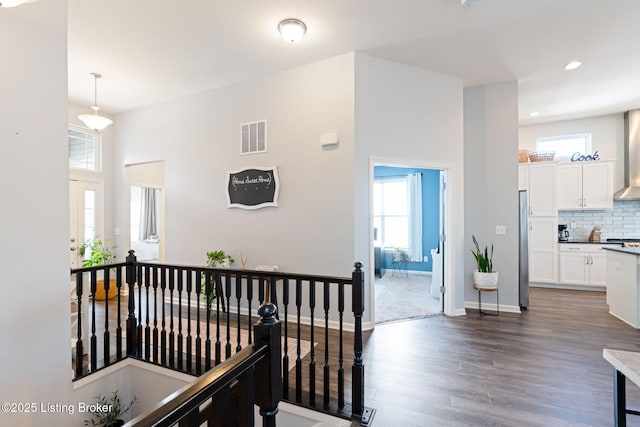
(565, 145)
(83, 149)
(391, 212)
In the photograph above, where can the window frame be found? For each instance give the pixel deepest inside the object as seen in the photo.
(406, 216)
(557, 139)
(97, 149)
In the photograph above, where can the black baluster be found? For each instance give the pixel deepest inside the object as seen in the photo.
(132, 336)
(207, 347)
(341, 350)
(357, 371)
(198, 287)
(189, 339)
(227, 295)
(106, 338)
(238, 297)
(285, 357)
(79, 344)
(147, 328)
(163, 333)
(172, 336)
(139, 328)
(249, 300)
(218, 298)
(119, 315)
(326, 344)
(155, 314)
(180, 335)
(312, 362)
(261, 289)
(298, 359)
(93, 339)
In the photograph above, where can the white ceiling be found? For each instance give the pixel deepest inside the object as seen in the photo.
(150, 51)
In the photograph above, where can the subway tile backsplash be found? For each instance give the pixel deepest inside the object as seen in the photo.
(622, 222)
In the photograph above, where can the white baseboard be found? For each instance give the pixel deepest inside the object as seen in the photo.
(493, 307)
(568, 287)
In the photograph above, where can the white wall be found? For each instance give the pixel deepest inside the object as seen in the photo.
(412, 116)
(35, 353)
(198, 137)
(607, 137)
(491, 184)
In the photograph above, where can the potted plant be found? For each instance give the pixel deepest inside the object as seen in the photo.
(108, 410)
(484, 274)
(100, 253)
(400, 260)
(214, 259)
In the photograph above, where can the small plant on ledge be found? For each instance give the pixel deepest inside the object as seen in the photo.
(100, 253)
(214, 259)
(108, 410)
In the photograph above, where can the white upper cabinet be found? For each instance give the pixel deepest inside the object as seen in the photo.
(542, 201)
(585, 186)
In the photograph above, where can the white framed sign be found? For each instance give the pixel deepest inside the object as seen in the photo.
(253, 187)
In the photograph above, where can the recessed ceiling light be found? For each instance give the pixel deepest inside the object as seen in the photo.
(292, 30)
(572, 65)
(534, 114)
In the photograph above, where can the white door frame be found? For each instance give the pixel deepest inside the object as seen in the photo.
(448, 271)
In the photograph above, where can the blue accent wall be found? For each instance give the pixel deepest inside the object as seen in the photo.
(430, 211)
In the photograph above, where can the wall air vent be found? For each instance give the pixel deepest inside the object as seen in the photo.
(253, 137)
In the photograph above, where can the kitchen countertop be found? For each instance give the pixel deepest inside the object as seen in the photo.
(587, 242)
(630, 251)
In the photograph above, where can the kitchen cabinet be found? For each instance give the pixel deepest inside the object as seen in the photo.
(538, 179)
(543, 250)
(585, 186)
(584, 265)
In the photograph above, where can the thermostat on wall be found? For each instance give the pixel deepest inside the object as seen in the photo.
(329, 139)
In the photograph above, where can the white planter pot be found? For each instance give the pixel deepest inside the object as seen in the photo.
(485, 279)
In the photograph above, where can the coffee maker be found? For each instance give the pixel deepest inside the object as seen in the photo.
(563, 233)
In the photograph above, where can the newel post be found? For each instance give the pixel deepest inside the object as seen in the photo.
(357, 371)
(268, 372)
(132, 330)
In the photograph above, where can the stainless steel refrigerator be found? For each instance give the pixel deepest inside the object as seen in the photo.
(523, 249)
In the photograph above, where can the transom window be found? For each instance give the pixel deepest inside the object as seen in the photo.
(84, 152)
(565, 145)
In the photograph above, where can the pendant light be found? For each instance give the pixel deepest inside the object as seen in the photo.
(94, 121)
(14, 3)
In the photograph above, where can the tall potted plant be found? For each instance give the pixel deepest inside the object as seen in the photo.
(100, 253)
(108, 411)
(484, 274)
(215, 259)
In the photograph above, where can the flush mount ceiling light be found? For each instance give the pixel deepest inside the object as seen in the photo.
(14, 3)
(467, 3)
(572, 65)
(534, 114)
(94, 121)
(292, 30)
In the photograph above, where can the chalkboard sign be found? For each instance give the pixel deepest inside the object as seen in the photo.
(253, 188)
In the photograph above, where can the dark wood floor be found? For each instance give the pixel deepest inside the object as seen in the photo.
(541, 368)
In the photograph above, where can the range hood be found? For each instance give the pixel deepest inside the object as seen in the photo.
(631, 190)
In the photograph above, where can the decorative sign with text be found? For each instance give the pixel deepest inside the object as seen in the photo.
(253, 188)
(579, 157)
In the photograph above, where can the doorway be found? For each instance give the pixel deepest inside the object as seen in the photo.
(85, 216)
(146, 236)
(408, 218)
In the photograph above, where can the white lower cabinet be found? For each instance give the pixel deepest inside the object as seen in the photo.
(584, 265)
(543, 235)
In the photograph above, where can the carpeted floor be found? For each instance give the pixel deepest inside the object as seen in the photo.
(399, 298)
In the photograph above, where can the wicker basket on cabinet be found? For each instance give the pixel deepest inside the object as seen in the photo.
(523, 156)
(541, 156)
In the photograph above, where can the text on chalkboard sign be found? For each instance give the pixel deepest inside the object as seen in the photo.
(252, 188)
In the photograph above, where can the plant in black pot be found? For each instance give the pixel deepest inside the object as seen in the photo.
(108, 410)
(99, 253)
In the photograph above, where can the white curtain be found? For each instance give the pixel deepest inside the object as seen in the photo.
(414, 193)
(148, 214)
